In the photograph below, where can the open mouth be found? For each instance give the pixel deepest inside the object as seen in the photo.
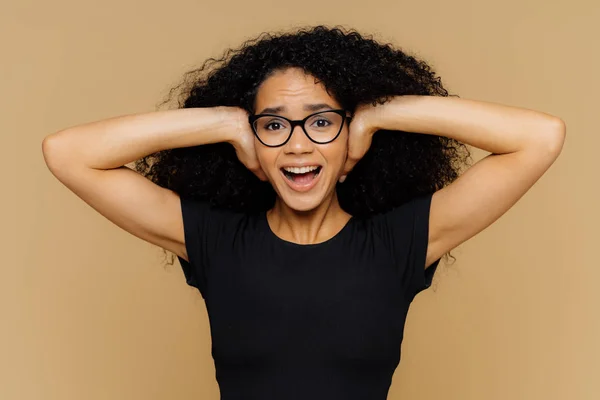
(301, 176)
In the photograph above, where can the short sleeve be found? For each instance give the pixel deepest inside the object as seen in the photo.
(407, 232)
(196, 222)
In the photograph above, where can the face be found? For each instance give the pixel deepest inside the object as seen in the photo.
(294, 91)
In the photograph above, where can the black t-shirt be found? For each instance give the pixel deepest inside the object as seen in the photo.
(318, 321)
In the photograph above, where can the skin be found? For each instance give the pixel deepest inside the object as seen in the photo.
(302, 217)
(89, 160)
(523, 144)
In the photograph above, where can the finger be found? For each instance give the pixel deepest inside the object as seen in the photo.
(358, 144)
(358, 148)
(348, 163)
(356, 153)
(348, 166)
(260, 174)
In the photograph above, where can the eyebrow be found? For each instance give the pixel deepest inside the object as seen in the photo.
(307, 107)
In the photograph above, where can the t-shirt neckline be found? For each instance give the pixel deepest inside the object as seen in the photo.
(332, 239)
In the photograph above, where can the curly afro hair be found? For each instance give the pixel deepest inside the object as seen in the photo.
(354, 69)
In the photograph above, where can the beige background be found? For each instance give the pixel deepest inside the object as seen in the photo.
(89, 312)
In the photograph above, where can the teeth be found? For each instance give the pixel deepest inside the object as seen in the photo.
(300, 170)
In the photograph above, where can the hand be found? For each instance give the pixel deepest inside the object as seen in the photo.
(360, 134)
(243, 142)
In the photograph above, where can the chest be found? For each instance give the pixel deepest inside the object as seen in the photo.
(339, 305)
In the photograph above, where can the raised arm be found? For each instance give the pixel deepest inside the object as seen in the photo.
(90, 160)
(523, 143)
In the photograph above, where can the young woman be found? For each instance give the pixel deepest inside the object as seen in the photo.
(309, 185)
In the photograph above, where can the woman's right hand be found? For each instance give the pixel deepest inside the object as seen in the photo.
(243, 142)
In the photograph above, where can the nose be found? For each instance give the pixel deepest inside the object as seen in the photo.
(299, 143)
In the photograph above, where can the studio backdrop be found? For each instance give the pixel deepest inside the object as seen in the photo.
(90, 312)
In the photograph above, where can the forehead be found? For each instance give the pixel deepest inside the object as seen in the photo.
(291, 88)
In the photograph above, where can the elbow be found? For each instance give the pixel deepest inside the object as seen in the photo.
(54, 152)
(49, 144)
(556, 135)
(548, 141)
(49, 149)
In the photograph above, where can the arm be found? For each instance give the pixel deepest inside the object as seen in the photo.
(523, 143)
(89, 159)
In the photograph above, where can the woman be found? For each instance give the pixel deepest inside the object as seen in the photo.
(309, 186)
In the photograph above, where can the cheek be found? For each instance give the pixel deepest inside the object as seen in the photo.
(342, 147)
(336, 156)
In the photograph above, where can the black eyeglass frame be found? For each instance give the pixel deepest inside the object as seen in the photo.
(301, 122)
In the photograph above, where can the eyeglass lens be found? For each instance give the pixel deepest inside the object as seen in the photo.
(322, 128)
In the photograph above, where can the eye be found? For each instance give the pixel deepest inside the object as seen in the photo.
(322, 120)
(274, 125)
(270, 124)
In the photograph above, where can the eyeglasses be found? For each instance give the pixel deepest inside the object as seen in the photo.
(322, 127)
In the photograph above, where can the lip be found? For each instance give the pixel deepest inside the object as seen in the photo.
(300, 165)
(299, 187)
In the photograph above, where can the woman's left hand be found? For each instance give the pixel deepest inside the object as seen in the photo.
(362, 127)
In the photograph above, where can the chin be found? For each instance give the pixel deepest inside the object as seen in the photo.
(301, 204)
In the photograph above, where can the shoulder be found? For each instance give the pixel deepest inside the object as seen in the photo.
(206, 225)
(195, 209)
(406, 228)
(203, 220)
(406, 215)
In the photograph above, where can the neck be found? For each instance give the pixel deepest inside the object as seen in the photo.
(308, 227)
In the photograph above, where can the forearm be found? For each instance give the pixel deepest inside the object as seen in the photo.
(492, 127)
(114, 142)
